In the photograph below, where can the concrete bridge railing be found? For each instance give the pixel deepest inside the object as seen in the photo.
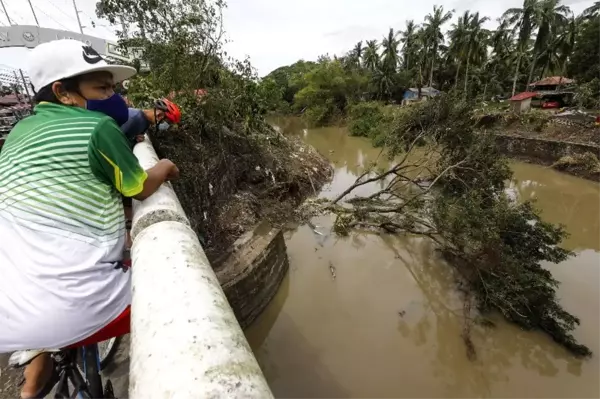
(185, 339)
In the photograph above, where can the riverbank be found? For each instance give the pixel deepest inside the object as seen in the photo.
(380, 303)
(577, 159)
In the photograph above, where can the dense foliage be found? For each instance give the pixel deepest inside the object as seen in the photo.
(584, 61)
(236, 171)
(541, 38)
(180, 43)
(449, 184)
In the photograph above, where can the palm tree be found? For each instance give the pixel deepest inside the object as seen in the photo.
(357, 53)
(433, 24)
(551, 15)
(592, 12)
(409, 42)
(501, 41)
(475, 43)
(390, 56)
(523, 20)
(549, 57)
(421, 57)
(371, 55)
(458, 36)
(566, 39)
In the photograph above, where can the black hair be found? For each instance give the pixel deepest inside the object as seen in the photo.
(46, 94)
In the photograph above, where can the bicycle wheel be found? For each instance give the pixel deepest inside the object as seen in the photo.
(107, 350)
(91, 368)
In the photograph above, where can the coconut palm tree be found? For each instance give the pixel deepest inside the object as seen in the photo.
(567, 37)
(524, 20)
(501, 42)
(390, 57)
(371, 55)
(592, 12)
(475, 44)
(458, 38)
(421, 57)
(551, 15)
(408, 40)
(435, 37)
(357, 53)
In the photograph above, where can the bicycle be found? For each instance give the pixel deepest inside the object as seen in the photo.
(67, 373)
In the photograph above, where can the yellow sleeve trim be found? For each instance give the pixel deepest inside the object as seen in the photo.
(117, 170)
(137, 189)
(119, 179)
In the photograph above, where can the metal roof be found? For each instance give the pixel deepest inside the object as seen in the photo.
(523, 96)
(553, 81)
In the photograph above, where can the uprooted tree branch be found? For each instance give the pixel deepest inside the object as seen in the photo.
(447, 183)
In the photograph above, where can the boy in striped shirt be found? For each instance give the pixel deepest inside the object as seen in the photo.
(63, 172)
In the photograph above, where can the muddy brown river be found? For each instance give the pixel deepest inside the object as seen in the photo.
(379, 316)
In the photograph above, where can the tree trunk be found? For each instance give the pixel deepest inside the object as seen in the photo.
(456, 77)
(516, 74)
(432, 65)
(544, 70)
(467, 74)
(420, 84)
(535, 56)
(488, 80)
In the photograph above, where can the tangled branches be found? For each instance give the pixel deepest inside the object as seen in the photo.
(448, 185)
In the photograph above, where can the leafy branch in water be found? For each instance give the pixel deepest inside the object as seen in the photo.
(448, 184)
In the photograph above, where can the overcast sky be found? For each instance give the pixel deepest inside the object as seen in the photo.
(275, 32)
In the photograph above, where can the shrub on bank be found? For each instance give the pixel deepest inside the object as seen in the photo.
(364, 118)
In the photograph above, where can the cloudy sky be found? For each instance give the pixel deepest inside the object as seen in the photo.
(274, 32)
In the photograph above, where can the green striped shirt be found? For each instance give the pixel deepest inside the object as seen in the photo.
(64, 169)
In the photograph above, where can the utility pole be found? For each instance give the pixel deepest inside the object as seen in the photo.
(77, 14)
(16, 85)
(33, 12)
(26, 88)
(5, 12)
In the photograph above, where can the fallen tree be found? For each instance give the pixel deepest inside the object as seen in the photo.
(447, 183)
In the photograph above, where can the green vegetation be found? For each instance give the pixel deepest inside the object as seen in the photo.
(541, 38)
(448, 185)
(366, 118)
(586, 163)
(447, 182)
(235, 169)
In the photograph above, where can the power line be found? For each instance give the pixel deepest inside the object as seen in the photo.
(33, 12)
(95, 24)
(5, 12)
(77, 15)
(43, 12)
(60, 9)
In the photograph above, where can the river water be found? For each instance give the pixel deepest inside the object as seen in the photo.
(378, 316)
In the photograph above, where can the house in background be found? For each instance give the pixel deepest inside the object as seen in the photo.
(412, 95)
(522, 102)
(552, 83)
(553, 92)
